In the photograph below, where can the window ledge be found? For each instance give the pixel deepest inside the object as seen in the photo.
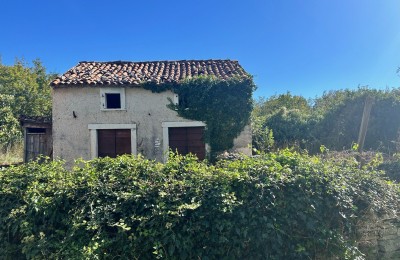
(113, 109)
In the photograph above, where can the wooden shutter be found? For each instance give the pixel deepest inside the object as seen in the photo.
(187, 140)
(106, 142)
(113, 142)
(195, 139)
(123, 141)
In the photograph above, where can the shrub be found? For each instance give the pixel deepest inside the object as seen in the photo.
(391, 167)
(282, 205)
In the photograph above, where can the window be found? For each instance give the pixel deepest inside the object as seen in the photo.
(30, 130)
(112, 98)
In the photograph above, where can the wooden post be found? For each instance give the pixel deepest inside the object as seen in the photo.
(364, 123)
(25, 146)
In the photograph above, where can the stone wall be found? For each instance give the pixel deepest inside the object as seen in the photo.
(380, 237)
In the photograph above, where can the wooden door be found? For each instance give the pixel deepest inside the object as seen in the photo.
(113, 142)
(36, 144)
(187, 140)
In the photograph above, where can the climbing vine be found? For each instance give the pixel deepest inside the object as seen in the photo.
(224, 105)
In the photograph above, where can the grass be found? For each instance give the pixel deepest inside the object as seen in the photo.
(13, 155)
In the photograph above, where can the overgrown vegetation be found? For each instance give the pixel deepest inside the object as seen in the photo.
(391, 168)
(282, 205)
(332, 120)
(14, 155)
(224, 105)
(24, 90)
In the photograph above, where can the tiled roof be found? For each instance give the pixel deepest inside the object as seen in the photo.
(135, 73)
(35, 119)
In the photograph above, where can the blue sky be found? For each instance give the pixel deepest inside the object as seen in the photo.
(302, 46)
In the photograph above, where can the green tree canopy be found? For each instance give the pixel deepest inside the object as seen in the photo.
(264, 107)
(29, 85)
(24, 90)
(332, 120)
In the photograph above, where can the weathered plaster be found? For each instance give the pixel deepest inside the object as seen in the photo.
(74, 108)
(242, 143)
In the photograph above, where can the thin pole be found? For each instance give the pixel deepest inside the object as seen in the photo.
(364, 123)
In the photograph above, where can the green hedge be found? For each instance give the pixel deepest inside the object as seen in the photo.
(277, 206)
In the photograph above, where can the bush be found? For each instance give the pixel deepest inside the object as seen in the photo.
(391, 167)
(281, 205)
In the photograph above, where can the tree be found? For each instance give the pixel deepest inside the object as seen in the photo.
(334, 120)
(9, 126)
(265, 107)
(273, 120)
(263, 138)
(29, 86)
(24, 90)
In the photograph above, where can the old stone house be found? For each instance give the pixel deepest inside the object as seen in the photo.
(101, 109)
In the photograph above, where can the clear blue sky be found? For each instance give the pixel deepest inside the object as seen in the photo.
(302, 46)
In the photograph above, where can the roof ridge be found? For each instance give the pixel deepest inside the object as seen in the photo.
(154, 61)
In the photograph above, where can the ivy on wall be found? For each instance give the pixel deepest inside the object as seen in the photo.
(224, 105)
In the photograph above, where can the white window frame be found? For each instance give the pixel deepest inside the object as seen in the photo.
(94, 146)
(166, 125)
(103, 101)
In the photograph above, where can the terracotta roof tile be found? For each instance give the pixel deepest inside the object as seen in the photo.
(135, 73)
